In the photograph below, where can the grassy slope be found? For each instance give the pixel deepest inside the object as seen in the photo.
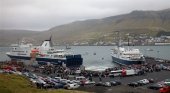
(93, 30)
(19, 84)
(150, 22)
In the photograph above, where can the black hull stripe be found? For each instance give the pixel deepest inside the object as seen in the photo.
(68, 61)
(126, 62)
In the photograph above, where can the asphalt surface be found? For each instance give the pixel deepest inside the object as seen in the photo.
(124, 88)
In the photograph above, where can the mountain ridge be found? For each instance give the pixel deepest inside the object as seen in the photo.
(136, 21)
(92, 30)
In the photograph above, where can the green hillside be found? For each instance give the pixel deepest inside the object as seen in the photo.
(13, 36)
(149, 22)
(18, 84)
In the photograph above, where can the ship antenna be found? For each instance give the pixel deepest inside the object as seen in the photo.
(18, 41)
(118, 38)
(51, 44)
(50, 38)
(128, 41)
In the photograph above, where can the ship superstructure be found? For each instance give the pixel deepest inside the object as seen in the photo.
(44, 54)
(126, 56)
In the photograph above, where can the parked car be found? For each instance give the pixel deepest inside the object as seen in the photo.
(63, 80)
(72, 86)
(40, 80)
(55, 80)
(151, 80)
(88, 82)
(107, 84)
(80, 78)
(140, 83)
(17, 72)
(99, 84)
(47, 85)
(42, 84)
(76, 81)
(58, 78)
(26, 74)
(143, 82)
(115, 83)
(168, 68)
(31, 75)
(1, 71)
(140, 72)
(155, 86)
(165, 89)
(133, 84)
(33, 80)
(48, 80)
(58, 85)
(167, 81)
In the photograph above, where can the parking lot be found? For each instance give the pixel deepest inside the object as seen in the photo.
(124, 88)
(46, 78)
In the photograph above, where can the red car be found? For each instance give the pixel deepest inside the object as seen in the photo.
(165, 89)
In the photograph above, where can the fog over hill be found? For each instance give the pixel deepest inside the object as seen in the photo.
(8, 37)
(150, 22)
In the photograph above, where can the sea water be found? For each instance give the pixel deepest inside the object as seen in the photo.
(99, 57)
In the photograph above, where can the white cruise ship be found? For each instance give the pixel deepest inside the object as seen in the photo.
(126, 56)
(44, 54)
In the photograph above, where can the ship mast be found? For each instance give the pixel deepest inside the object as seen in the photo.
(118, 39)
(128, 42)
(51, 44)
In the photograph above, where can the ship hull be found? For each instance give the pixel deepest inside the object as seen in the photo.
(75, 60)
(126, 62)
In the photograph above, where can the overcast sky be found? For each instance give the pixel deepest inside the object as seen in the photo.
(44, 14)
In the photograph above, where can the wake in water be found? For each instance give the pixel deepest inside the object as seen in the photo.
(97, 68)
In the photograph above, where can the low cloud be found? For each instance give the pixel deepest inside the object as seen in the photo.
(44, 14)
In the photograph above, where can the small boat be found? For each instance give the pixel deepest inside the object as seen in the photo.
(102, 58)
(68, 47)
(149, 49)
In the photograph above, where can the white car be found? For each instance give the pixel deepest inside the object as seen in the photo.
(72, 86)
(26, 74)
(87, 82)
(54, 80)
(64, 80)
(76, 81)
(80, 78)
(33, 80)
(107, 84)
(18, 73)
(39, 80)
(58, 78)
(1, 71)
(167, 81)
(143, 81)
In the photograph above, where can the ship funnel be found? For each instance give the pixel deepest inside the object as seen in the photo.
(47, 43)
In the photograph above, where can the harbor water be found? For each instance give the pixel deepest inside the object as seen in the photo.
(99, 57)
